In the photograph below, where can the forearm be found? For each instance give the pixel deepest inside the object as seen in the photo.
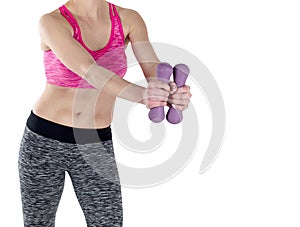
(146, 57)
(149, 70)
(110, 83)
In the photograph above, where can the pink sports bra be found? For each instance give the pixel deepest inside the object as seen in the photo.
(111, 57)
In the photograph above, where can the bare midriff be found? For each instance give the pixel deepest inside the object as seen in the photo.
(75, 107)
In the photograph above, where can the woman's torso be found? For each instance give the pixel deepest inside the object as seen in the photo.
(80, 107)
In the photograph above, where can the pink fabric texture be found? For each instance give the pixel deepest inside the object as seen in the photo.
(111, 57)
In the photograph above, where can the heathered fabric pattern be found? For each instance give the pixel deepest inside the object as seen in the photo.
(111, 57)
(92, 168)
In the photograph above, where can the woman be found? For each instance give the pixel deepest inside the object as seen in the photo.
(68, 128)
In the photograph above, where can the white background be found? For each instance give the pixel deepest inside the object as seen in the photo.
(251, 48)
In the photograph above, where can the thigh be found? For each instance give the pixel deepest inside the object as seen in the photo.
(41, 179)
(95, 178)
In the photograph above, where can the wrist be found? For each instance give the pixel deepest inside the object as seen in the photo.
(143, 97)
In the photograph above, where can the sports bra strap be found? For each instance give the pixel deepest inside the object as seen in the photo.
(66, 13)
(115, 12)
(110, 6)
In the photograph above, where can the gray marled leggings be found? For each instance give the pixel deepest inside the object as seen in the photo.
(92, 169)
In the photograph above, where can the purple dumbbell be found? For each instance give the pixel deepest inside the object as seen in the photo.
(163, 72)
(180, 74)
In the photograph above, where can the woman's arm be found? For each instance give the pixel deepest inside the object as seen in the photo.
(58, 37)
(148, 60)
(141, 46)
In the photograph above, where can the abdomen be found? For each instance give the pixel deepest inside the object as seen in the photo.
(81, 108)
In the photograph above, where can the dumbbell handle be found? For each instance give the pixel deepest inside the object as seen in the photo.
(163, 72)
(180, 74)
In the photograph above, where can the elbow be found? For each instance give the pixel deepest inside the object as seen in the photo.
(86, 70)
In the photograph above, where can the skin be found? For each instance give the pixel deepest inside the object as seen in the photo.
(93, 108)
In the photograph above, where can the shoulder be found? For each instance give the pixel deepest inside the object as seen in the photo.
(53, 20)
(51, 17)
(135, 27)
(53, 24)
(129, 15)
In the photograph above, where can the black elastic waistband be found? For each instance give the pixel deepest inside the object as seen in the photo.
(65, 133)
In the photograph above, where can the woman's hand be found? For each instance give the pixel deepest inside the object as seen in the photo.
(180, 99)
(156, 94)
